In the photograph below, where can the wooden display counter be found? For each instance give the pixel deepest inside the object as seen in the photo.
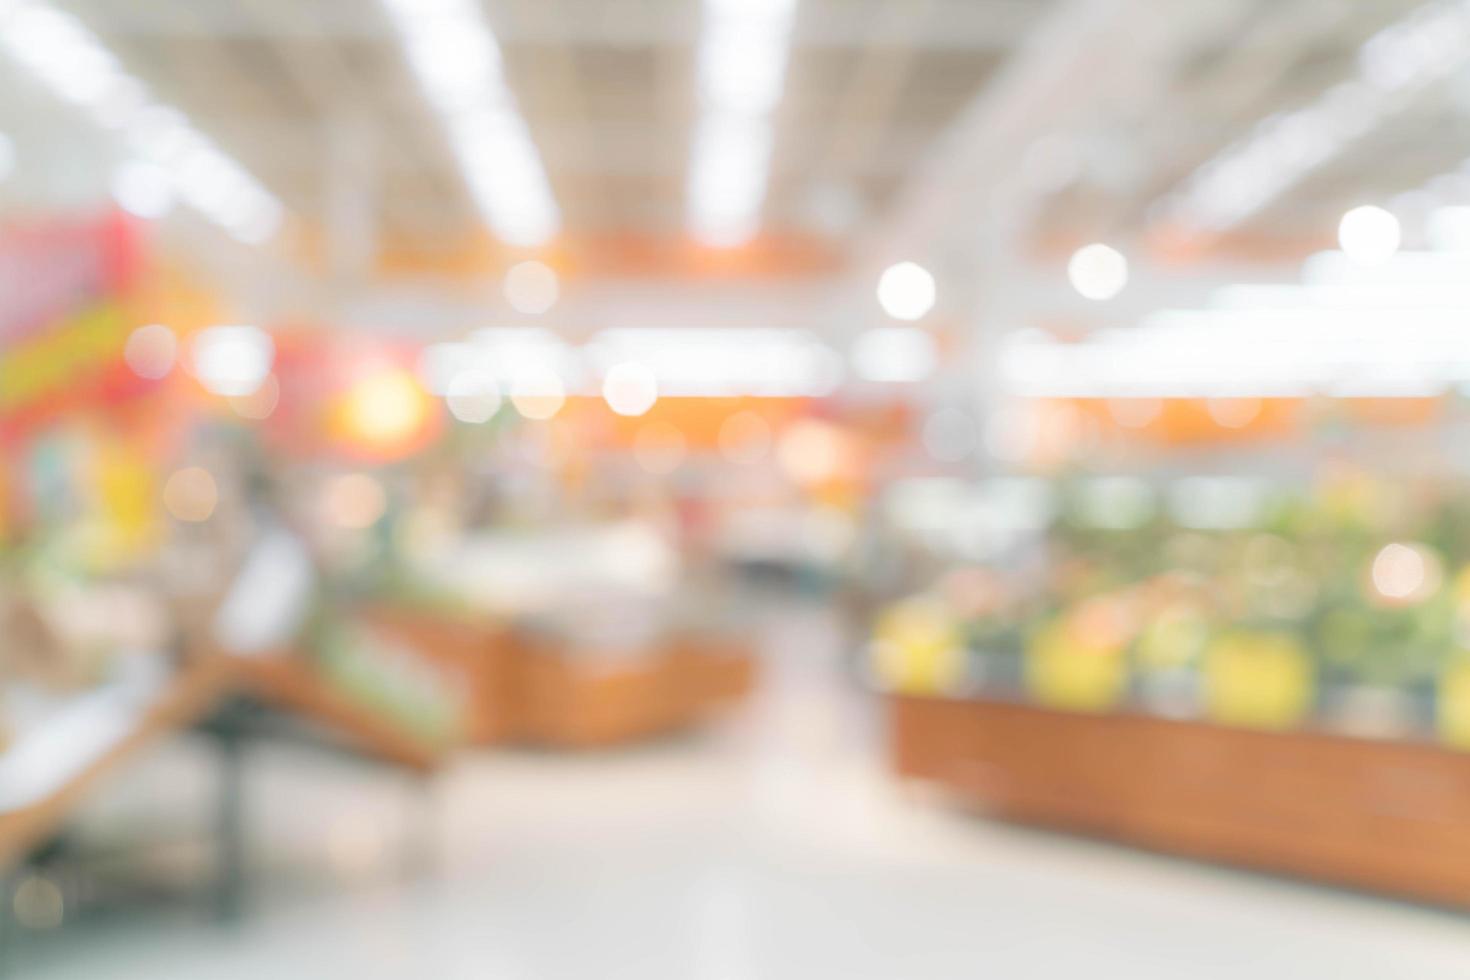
(290, 683)
(585, 702)
(1386, 816)
(520, 688)
(485, 655)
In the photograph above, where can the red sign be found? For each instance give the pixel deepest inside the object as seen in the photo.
(62, 324)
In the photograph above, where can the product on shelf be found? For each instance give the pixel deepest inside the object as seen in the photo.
(1344, 606)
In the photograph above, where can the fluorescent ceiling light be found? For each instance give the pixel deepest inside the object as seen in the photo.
(1404, 272)
(143, 189)
(473, 396)
(70, 61)
(1448, 228)
(457, 62)
(894, 354)
(742, 70)
(723, 362)
(682, 362)
(1427, 46)
(502, 354)
(727, 177)
(1396, 329)
(1236, 354)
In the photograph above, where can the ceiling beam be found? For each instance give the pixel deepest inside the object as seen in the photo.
(867, 102)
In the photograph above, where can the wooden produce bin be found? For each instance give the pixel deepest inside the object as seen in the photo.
(583, 702)
(1390, 816)
(484, 654)
(713, 672)
(588, 701)
(521, 687)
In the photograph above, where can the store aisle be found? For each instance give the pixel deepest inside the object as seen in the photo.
(774, 847)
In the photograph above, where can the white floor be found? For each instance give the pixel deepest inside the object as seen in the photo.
(773, 847)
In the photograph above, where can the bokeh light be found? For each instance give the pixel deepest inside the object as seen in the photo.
(538, 392)
(39, 904)
(1098, 271)
(151, 351)
(190, 494)
(1369, 235)
(630, 388)
(260, 403)
(531, 287)
(232, 360)
(473, 396)
(1233, 413)
(1135, 413)
(1405, 573)
(812, 451)
(906, 291)
(385, 407)
(354, 500)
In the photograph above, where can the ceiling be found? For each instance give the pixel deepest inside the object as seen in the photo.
(606, 87)
(903, 125)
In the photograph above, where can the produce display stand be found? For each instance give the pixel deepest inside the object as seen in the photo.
(580, 701)
(518, 692)
(227, 698)
(479, 649)
(523, 688)
(522, 694)
(289, 683)
(1387, 816)
(717, 672)
(107, 734)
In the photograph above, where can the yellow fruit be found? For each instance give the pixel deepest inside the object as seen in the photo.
(1258, 680)
(1454, 705)
(1064, 670)
(918, 647)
